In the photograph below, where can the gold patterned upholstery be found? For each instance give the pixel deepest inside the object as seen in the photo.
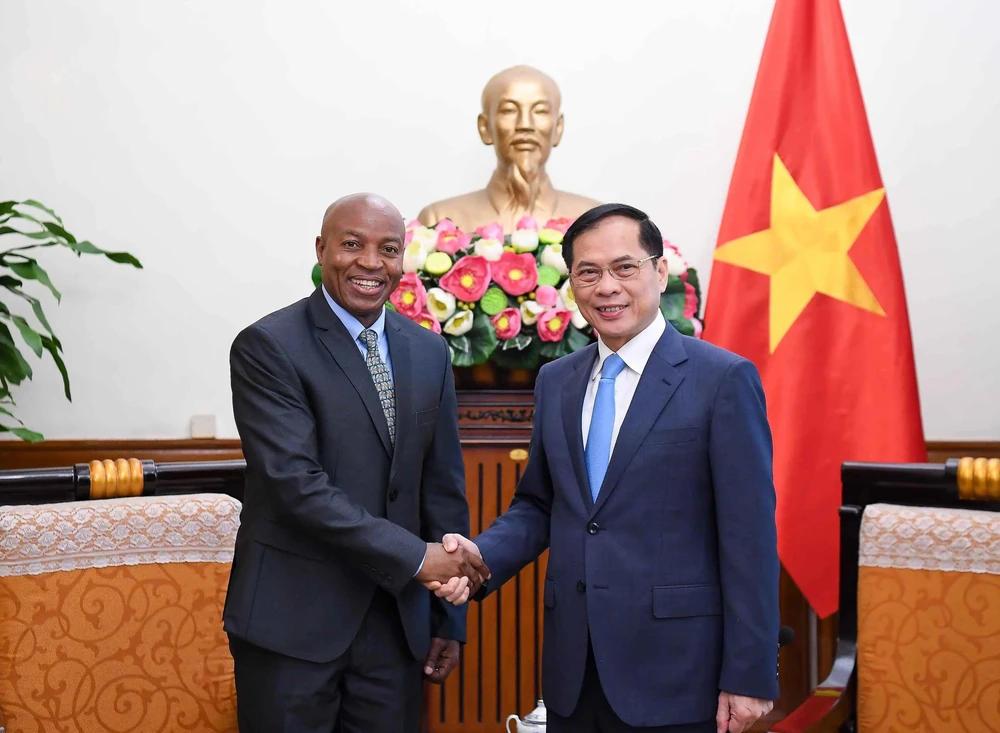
(928, 620)
(111, 615)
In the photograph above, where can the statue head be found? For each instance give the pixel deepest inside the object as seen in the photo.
(521, 120)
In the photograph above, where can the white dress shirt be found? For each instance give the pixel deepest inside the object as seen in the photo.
(635, 354)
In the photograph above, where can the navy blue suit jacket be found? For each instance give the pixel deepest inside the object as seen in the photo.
(673, 572)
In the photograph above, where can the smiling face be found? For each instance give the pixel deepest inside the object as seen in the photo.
(618, 310)
(360, 254)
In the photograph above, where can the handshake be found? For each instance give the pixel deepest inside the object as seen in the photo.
(453, 569)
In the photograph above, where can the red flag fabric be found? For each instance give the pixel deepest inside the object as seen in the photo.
(806, 284)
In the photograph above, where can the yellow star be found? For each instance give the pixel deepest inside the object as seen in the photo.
(805, 251)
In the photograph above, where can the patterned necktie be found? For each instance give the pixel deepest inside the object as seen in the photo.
(383, 383)
(602, 424)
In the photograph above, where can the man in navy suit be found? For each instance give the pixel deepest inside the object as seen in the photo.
(649, 480)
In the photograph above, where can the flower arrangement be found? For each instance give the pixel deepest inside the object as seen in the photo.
(507, 298)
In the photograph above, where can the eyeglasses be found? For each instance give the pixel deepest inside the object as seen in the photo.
(620, 271)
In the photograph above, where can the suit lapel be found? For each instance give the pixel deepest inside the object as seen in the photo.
(660, 379)
(402, 379)
(574, 391)
(337, 340)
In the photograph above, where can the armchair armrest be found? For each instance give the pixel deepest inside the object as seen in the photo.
(832, 703)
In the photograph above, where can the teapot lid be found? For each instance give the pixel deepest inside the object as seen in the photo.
(537, 715)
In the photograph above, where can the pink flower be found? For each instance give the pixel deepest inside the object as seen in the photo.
(552, 324)
(516, 274)
(697, 327)
(452, 240)
(546, 295)
(507, 323)
(445, 225)
(410, 297)
(490, 231)
(407, 238)
(428, 321)
(690, 300)
(414, 224)
(468, 279)
(560, 225)
(527, 222)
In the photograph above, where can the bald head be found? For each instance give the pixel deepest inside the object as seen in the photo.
(359, 251)
(501, 82)
(357, 203)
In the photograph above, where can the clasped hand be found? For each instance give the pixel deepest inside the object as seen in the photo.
(453, 568)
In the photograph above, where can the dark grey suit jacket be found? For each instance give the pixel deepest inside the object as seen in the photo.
(331, 511)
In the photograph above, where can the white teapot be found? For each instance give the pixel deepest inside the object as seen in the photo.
(534, 722)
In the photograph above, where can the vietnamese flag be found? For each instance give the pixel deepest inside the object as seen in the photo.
(806, 284)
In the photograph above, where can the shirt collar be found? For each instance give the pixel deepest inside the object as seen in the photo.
(352, 324)
(636, 352)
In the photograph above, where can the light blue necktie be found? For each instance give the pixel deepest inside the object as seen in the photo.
(602, 424)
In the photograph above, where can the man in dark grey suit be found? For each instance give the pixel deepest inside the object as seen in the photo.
(348, 420)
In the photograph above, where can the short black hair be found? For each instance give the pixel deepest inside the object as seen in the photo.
(649, 235)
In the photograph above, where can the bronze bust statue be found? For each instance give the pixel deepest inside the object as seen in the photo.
(522, 121)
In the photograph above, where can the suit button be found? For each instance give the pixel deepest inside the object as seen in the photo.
(581, 586)
(393, 494)
(593, 528)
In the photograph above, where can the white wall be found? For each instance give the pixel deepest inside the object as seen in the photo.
(207, 138)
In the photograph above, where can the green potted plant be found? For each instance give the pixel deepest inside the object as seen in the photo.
(30, 226)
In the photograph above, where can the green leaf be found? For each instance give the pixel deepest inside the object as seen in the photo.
(123, 258)
(31, 270)
(7, 207)
(28, 435)
(26, 247)
(317, 275)
(30, 235)
(52, 346)
(23, 433)
(683, 325)
(59, 231)
(36, 306)
(13, 285)
(461, 351)
(674, 285)
(520, 352)
(577, 339)
(14, 367)
(483, 338)
(47, 210)
(86, 248)
(30, 336)
(672, 305)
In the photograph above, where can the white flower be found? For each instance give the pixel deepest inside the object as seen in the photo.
(459, 323)
(530, 310)
(577, 320)
(489, 249)
(676, 264)
(440, 303)
(426, 237)
(552, 256)
(566, 297)
(414, 257)
(524, 240)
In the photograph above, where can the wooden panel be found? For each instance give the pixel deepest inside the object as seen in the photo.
(500, 672)
(939, 451)
(58, 453)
